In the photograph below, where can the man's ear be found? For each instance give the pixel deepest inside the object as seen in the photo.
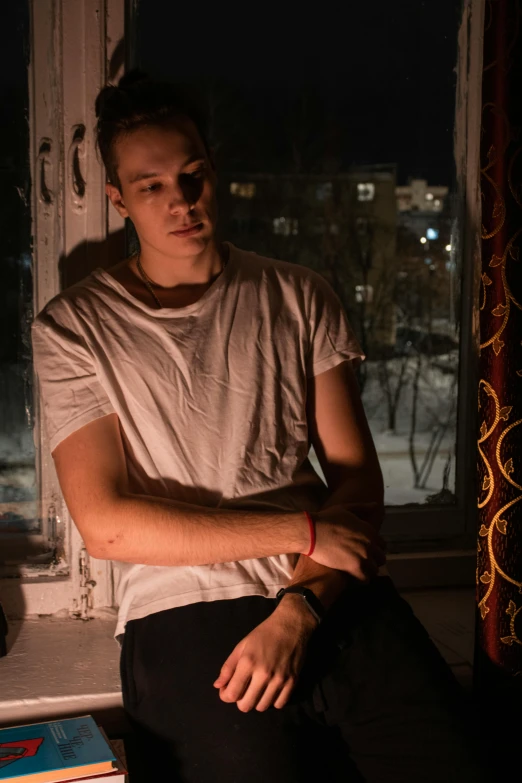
(116, 199)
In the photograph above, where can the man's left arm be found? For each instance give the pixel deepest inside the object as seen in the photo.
(262, 669)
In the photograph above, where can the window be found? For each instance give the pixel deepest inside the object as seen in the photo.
(363, 293)
(286, 226)
(243, 189)
(365, 191)
(22, 529)
(49, 222)
(352, 197)
(32, 274)
(324, 191)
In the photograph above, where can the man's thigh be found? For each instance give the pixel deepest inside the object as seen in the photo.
(385, 686)
(184, 732)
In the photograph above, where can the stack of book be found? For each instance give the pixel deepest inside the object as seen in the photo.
(62, 750)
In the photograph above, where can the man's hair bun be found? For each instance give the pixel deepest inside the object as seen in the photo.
(112, 100)
(133, 77)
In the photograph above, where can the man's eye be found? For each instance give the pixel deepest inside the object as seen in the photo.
(151, 188)
(197, 173)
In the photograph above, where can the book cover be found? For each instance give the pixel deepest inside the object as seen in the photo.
(118, 775)
(54, 751)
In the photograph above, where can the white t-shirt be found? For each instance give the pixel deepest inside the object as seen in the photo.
(210, 398)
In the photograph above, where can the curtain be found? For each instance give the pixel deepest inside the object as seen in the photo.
(498, 662)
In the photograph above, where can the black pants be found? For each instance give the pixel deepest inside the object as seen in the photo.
(375, 701)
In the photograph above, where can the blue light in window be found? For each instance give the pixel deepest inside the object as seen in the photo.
(432, 233)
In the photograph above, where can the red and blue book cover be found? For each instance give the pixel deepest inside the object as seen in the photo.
(57, 748)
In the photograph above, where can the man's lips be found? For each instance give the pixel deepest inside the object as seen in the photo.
(188, 230)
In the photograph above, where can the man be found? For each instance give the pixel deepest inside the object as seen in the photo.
(182, 389)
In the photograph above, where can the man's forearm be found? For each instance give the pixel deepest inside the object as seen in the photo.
(157, 531)
(364, 498)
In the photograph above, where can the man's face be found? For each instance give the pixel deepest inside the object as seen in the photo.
(164, 171)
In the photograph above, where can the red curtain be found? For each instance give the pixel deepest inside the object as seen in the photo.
(498, 664)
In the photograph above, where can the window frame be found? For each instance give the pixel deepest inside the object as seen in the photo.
(60, 34)
(63, 37)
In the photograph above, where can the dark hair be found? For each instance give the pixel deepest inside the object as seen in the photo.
(138, 101)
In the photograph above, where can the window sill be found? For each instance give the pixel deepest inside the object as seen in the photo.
(433, 569)
(58, 666)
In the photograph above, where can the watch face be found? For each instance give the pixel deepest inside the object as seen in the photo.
(313, 603)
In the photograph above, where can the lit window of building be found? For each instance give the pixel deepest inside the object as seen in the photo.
(324, 191)
(363, 293)
(285, 226)
(365, 191)
(243, 189)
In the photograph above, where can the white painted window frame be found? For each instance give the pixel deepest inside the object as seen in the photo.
(72, 47)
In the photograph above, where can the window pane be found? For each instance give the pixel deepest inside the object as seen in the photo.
(18, 507)
(334, 147)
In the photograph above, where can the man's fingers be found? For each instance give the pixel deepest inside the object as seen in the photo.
(284, 695)
(225, 674)
(256, 690)
(271, 694)
(229, 667)
(237, 686)
(378, 555)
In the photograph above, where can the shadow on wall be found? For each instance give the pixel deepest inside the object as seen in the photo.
(89, 255)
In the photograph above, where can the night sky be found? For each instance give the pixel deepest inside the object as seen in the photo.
(373, 85)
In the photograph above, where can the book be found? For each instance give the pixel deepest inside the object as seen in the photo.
(119, 775)
(60, 750)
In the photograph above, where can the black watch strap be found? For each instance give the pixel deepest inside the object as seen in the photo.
(311, 600)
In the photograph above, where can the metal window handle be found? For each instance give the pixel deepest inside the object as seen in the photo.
(45, 171)
(75, 157)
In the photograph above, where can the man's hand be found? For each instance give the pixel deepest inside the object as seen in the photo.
(263, 668)
(348, 543)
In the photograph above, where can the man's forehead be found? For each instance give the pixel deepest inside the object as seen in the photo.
(149, 149)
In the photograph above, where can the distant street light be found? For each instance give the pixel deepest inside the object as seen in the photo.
(448, 248)
(423, 240)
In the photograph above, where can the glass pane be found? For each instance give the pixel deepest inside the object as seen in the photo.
(18, 508)
(334, 147)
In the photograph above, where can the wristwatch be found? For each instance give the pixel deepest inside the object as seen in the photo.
(312, 602)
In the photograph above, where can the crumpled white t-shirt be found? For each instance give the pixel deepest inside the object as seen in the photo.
(210, 398)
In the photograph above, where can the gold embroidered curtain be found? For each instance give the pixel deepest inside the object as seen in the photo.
(498, 664)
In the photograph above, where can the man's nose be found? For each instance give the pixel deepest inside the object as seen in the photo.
(180, 201)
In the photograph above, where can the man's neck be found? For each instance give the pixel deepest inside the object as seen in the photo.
(182, 271)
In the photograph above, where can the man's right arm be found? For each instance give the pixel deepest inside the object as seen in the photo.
(119, 525)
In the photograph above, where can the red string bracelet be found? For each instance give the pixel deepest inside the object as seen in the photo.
(311, 524)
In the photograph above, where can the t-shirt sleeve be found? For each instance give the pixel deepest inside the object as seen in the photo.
(70, 392)
(332, 339)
